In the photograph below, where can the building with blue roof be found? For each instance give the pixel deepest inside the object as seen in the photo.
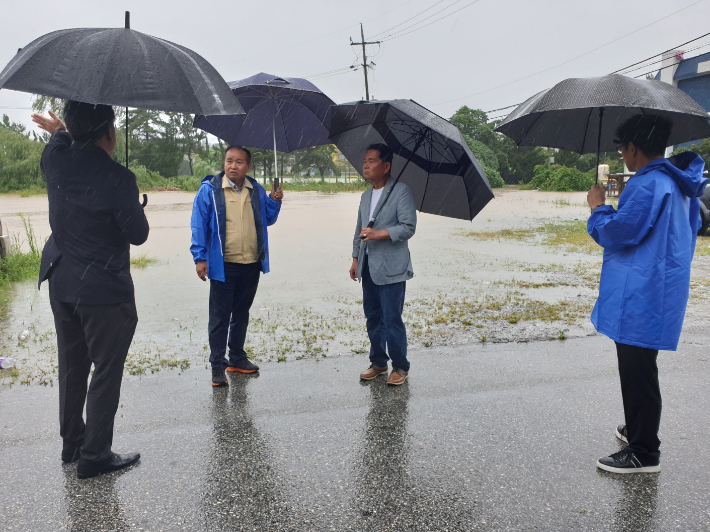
(692, 76)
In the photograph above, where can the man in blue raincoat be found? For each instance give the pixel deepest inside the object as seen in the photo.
(230, 246)
(648, 247)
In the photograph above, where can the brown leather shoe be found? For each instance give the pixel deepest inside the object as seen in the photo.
(372, 372)
(397, 377)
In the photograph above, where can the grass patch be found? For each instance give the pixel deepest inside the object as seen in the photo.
(569, 235)
(326, 188)
(702, 246)
(142, 261)
(20, 265)
(32, 191)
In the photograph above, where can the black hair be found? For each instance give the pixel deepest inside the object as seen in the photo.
(649, 133)
(239, 148)
(88, 122)
(383, 150)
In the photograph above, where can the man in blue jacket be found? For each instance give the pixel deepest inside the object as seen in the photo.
(648, 247)
(230, 246)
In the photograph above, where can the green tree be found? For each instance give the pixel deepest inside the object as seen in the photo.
(701, 147)
(19, 160)
(318, 157)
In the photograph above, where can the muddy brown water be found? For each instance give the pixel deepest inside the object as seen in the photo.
(308, 306)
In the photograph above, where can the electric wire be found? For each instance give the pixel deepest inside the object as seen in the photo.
(574, 58)
(663, 52)
(415, 16)
(661, 60)
(399, 34)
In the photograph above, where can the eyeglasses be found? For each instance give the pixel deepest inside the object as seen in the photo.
(620, 146)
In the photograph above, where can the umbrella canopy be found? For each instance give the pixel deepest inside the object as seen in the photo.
(119, 67)
(292, 110)
(444, 175)
(582, 114)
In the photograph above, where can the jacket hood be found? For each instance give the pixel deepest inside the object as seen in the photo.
(686, 169)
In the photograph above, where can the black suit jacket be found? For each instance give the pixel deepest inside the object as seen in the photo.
(95, 215)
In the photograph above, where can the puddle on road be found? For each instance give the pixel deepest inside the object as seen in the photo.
(465, 290)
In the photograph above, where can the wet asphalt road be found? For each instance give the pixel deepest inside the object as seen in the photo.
(484, 437)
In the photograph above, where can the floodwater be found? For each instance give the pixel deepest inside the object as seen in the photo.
(465, 289)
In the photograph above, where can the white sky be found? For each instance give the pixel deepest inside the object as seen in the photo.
(485, 45)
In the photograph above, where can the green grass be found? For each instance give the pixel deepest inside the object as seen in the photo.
(142, 261)
(325, 188)
(32, 191)
(568, 235)
(20, 265)
(702, 247)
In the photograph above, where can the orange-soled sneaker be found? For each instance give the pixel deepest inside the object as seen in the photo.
(243, 366)
(219, 378)
(373, 372)
(397, 377)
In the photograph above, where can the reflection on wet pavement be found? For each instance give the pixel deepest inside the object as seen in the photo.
(390, 496)
(241, 488)
(636, 504)
(93, 505)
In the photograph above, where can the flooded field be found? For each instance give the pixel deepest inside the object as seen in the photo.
(523, 270)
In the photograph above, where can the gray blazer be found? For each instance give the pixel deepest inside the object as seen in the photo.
(389, 261)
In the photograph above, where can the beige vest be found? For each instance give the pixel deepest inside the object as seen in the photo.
(240, 244)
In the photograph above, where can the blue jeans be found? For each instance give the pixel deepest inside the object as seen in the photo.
(230, 302)
(383, 305)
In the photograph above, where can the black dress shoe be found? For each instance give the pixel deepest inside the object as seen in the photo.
(71, 455)
(92, 468)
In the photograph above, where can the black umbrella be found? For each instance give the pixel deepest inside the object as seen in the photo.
(582, 114)
(287, 114)
(121, 67)
(444, 175)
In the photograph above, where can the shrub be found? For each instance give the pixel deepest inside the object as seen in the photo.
(19, 161)
(561, 179)
(187, 183)
(146, 179)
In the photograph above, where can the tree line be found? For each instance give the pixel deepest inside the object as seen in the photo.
(166, 151)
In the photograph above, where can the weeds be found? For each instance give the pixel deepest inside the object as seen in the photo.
(142, 261)
(569, 235)
(20, 265)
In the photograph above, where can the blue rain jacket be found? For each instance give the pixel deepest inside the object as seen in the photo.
(208, 224)
(648, 244)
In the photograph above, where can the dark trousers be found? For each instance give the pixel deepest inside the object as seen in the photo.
(230, 302)
(383, 305)
(86, 335)
(641, 394)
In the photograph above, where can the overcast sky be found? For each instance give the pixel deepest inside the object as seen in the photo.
(472, 57)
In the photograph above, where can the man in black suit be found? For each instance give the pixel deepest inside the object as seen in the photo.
(95, 215)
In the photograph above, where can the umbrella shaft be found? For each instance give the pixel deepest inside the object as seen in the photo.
(389, 192)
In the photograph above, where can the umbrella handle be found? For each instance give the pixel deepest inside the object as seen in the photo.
(145, 200)
(370, 225)
(276, 183)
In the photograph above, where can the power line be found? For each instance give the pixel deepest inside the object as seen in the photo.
(410, 18)
(501, 108)
(661, 60)
(640, 75)
(399, 34)
(663, 52)
(574, 58)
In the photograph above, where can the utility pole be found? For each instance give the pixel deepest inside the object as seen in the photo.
(365, 66)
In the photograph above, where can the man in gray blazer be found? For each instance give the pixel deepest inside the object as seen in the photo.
(381, 259)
